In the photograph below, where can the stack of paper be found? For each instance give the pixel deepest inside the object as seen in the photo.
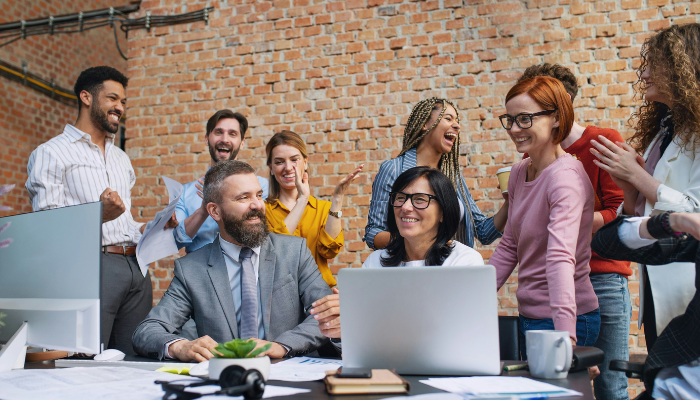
(303, 369)
(510, 387)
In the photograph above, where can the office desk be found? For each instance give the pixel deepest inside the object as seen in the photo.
(577, 381)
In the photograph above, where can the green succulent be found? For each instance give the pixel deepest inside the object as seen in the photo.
(239, 348)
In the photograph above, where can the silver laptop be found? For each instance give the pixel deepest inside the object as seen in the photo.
(421, 321)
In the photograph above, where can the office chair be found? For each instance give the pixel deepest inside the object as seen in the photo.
(508, 337)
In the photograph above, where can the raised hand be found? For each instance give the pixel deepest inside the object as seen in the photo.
(112, 205)
(301, 179)
(343, 185)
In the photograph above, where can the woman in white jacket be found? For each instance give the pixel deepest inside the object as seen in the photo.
(668, 176)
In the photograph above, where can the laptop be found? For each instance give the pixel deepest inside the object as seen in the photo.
(421, 321)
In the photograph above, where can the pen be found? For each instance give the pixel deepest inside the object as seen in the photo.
(515, 367)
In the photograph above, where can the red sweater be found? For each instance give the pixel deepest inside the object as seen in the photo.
(608, 196)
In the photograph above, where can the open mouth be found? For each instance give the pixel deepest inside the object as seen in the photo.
(289, 177)
(450, 137)
(223, 151)
(113, 117)
(520, 140)
(409, 220)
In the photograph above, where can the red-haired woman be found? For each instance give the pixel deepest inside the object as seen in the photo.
(550, 217)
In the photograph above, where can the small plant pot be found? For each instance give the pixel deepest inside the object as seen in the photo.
(262, 364)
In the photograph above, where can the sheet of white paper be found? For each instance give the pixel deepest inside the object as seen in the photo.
(498, 386)
(156, 242)
(303, 369)
(98, 383)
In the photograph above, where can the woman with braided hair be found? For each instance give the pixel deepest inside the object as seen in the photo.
(431, 139)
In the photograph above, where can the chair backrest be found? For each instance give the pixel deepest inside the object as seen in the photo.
(508, 337)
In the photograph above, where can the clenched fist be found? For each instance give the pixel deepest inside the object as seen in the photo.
(112, 205)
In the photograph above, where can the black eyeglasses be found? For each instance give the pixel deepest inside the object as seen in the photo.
(524, 120)
(419, 200)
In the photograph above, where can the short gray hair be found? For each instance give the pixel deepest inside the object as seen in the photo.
(214, 179)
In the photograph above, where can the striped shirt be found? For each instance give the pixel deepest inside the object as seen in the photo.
(69, 170)
(381, 189)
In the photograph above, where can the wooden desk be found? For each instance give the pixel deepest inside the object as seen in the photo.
(577, 381)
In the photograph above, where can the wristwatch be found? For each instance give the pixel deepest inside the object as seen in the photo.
(336, 214)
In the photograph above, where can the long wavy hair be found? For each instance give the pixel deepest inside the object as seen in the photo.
(674, 54)
(288, 138)
(446, 198)
(449, 162)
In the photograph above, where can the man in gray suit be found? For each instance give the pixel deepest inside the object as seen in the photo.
(248, 283)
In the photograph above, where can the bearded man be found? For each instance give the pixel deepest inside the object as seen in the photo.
(227, 285)
(225, 135)
(83, 165)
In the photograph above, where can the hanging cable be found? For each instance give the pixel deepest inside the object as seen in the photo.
(30, 80)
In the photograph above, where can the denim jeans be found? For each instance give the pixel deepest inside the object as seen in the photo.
(615, 314)
(587, 327)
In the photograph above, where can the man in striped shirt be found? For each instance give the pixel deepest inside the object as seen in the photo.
(83, 165)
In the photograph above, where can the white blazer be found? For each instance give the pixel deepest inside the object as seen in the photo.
(672, 285)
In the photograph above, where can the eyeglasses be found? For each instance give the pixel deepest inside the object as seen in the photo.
(524, 120)
(419, 200)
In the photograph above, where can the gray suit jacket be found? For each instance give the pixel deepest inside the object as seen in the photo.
(289, 282)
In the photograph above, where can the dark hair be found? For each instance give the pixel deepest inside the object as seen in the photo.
(226, 114)
(214, 178)
(556, 71)
(288, 138)
(446, 197)
(550, 94)
(91, 80)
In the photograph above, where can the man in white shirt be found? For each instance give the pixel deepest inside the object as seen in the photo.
(84, 165)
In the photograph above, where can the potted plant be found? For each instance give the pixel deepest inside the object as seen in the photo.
(239, 352)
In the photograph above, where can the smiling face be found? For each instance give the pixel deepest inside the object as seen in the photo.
(107, 108)
(415, 225)
(444, 135)
(224, 141)
(241, 214)
(540, 135)
(652, 89)
(285, 161)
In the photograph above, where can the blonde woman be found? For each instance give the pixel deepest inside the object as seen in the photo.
(431, 139)
(292, 210)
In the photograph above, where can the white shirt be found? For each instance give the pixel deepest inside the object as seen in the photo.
(461, 256)
(70, 170)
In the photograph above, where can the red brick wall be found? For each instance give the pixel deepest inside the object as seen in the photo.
(28, 117)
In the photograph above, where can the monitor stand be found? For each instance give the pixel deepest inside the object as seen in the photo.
(13, 354)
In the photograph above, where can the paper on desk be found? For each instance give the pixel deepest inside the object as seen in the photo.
(501, 386)
(270, 391)
(303, 369)
(156, 242)
(92, 383)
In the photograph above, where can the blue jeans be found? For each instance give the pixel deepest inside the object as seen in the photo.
(615, 314)
(587, 328)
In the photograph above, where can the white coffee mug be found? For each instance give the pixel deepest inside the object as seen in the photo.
(549, 353)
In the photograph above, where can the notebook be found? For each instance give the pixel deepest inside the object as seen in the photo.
(382, 381)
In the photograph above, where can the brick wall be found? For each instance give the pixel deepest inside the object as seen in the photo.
(28, 117)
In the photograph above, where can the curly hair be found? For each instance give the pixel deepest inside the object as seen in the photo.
(414, 134)
(673, 53)
(556, 71)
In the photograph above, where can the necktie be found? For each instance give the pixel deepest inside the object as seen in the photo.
(249, 296)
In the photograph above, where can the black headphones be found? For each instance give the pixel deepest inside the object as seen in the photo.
(234, 381)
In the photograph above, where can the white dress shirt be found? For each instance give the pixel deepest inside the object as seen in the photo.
(70, 170)
(461, 256)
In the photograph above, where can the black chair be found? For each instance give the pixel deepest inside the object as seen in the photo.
(508, 337)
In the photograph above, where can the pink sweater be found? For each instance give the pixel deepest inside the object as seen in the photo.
(549, 234)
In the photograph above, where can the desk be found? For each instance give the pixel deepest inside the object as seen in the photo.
(577, 381)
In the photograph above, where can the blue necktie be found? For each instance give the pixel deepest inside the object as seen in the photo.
(249, 296)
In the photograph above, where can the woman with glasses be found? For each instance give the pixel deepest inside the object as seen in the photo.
(424, 217)
(550, 217)
(431, 139)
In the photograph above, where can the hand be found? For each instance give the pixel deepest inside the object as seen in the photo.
(686, 222)
(275, 351)
(619, 159)
(505, 195)
(172, 222)
(593, 372)
(327, 312)
(200, 192)
(198, 350)
(112, 205)
(343, 184)
(302, 182)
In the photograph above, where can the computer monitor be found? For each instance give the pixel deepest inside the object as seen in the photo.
(50, 282)
(421, 321)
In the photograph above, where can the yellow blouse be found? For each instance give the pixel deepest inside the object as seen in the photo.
(311, 227)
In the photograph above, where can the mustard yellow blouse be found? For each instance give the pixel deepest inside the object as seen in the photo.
(312, 227)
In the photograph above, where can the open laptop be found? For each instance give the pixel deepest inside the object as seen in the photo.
(421, 321)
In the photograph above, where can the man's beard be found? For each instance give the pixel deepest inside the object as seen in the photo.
(100, 117)
(232, 156)
(248, 235)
